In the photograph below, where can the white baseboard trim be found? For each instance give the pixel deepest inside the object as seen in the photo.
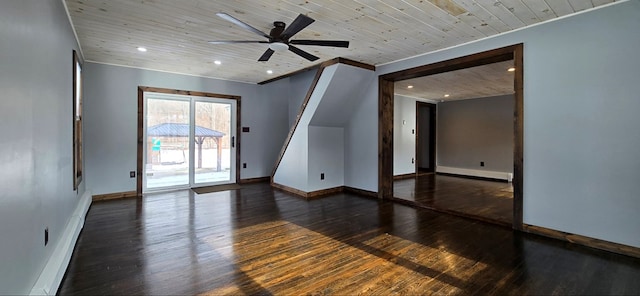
(475, 173)
(53, 272)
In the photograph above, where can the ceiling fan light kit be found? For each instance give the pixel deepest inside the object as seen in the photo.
(279, 46)
(278, 37)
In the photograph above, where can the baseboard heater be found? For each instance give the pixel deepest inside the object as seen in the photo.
(53, 272)
(475, 173)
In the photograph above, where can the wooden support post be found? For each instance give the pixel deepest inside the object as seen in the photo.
(219, 150)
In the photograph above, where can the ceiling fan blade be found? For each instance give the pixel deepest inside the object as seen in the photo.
(242, 24)
(301, 22)
(302, 53)
(235, 41)
(266, 55)
(334, 43)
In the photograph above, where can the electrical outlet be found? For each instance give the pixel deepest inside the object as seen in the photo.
(482, 163)
(321, 176)
(132, 174)
(46, 236)
(244, 165)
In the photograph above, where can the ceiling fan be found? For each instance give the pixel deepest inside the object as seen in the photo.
(278, 38)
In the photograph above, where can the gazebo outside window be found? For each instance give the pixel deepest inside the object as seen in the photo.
(173, 130)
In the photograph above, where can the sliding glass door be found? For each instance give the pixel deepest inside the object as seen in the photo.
(167, 143)
(189, 142)
(215, 162)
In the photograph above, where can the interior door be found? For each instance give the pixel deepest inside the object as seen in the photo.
(425, 137)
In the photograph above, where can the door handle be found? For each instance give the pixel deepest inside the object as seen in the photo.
(233, 142)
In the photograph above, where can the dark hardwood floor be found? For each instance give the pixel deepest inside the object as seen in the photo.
(490, 201)
(260, 241)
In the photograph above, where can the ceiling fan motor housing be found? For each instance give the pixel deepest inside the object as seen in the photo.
(278, 28)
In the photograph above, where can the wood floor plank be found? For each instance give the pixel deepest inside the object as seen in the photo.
(259, 241)
(490, 201)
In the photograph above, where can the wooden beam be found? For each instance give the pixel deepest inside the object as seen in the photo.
(385, 138)
(474, 60)
(356, 64)
(314, 67)
(518, 141)
(323, 64)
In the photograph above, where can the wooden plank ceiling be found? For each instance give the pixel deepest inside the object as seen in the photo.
(176, 32)
(477, 82)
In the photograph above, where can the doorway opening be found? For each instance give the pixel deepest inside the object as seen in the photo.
(186, 139)
(425, 138)
(474, 140)
(386, 110)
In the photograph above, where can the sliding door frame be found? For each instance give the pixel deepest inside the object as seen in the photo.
(141, 112)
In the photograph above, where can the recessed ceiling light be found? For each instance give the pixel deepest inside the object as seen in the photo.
(269, 72)
(410, 86)
(446, 95)
(511, 69)
(217, 62)
(142, 49)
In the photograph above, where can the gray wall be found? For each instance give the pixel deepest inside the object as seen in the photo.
(111, 122)
(300, 85)
(326, 156)
(581, 141)
(404, 140)
(36, 186)
(475, 130)
(294, 89)
(361, 140)
(318, 144)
